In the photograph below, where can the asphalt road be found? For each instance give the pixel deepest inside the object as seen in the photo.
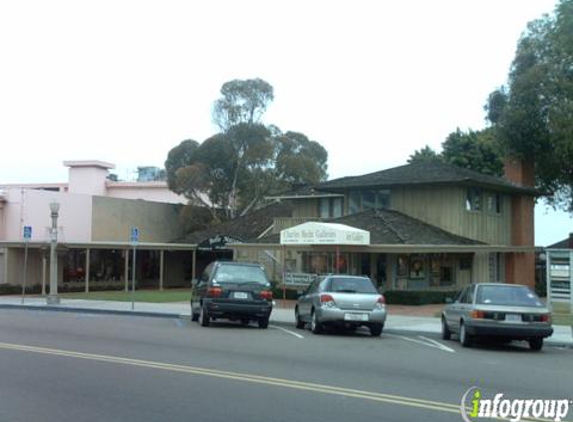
(79, 367)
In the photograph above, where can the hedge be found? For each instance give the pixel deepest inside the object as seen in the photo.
(417, 297)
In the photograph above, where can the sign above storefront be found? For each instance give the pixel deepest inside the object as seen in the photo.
(314, 233)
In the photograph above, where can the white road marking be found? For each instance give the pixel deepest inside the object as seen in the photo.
(287, 331)
(438, 344)
(428, 342)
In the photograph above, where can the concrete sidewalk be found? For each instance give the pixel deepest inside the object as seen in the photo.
(283, 313)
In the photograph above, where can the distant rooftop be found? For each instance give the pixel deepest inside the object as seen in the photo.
(89, 163)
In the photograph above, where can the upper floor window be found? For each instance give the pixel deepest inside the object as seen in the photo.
(473, 199)
(493, 202)
(368, 200)
(330, 207)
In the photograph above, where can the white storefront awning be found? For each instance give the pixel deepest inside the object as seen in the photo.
(314, 233)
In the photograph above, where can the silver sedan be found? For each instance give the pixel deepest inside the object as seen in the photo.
(342, 300)
(495, 310)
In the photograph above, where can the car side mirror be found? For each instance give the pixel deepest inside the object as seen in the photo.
(194, 282)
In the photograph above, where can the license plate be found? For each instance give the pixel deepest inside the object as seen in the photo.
(513, 318)
(240, 295)
(356, 317)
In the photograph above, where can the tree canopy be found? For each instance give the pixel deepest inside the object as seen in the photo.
(533, 115)
(236, 168)
(474, 150)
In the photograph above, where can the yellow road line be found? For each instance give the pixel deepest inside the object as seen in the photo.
(280, 382)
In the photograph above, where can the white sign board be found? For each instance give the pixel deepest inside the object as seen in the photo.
(298, 279)
(559, 271)
(313, 233)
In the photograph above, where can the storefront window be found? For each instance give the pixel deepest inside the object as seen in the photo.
(75, 270)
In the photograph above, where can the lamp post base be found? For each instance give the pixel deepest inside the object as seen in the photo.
(53, 300)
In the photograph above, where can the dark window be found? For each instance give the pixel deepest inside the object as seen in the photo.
(473, 199)
(508, 295)
(383, 199)
(493, 203)
(324, 207)
(237, 274)
(354, 205)
(351, 285)
(368, 200)
(336, 207)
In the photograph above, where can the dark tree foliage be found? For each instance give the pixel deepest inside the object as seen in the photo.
(533, 114)
(474, 150)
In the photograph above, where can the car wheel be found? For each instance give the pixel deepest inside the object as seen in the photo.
(376, 330)
(299, 322)
(446, 333)
(204, 317)
(263, 323)
(536, 343)
(465, 338)
(315, 324)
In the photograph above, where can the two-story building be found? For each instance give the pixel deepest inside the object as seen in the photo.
(431, 225)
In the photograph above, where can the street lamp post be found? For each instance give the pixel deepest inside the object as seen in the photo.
(53, 298)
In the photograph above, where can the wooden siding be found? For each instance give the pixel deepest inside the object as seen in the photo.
(444, 207)
(307, 207)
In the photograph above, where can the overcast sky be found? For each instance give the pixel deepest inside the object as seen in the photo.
(372, 81)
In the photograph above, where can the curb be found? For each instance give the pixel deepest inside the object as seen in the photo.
(55, 308)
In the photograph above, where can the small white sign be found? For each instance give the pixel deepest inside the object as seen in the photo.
(559, 271)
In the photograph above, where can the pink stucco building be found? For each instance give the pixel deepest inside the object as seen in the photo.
(95, 218)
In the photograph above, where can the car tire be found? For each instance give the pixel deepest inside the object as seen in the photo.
(465, 338)
(376, 330)
(263, 323)
(536, 343)
(299, 322)
(446, 333)
(315, 324)
(204, 318)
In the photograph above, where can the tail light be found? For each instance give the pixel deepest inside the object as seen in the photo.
(214, 292)
(545, 318)
(381, 301)
(326, 298)
(477, 314)
(266, 294)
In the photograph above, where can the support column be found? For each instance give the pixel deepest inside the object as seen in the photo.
(194, 273)
(44, 266)
(87, 270)
(161, 262)
(126, 270)
(374, 268)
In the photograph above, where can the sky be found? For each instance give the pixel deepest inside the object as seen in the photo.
(371, 80)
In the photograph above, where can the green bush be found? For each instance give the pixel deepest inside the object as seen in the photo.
(417, 297)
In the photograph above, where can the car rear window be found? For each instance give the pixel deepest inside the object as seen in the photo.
(237, 274)
(507, 295)
(351, 285)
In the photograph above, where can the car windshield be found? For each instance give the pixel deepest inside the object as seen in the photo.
(507, 295)
(351, 285)
(240, 274)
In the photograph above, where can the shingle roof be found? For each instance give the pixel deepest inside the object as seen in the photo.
(425, 173)
(244, 228)
(564, 244)
(388, 227)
